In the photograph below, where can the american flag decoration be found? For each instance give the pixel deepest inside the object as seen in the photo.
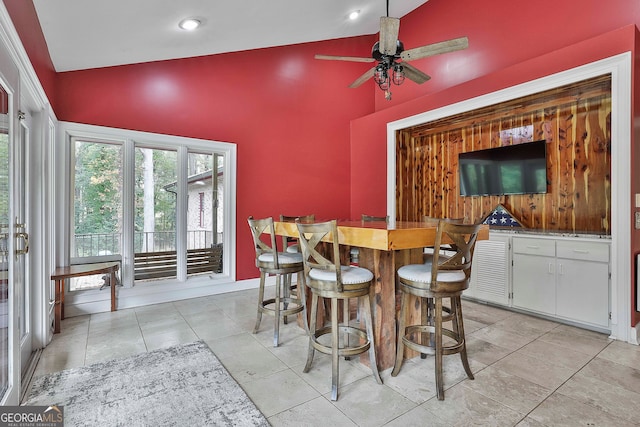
(501, 217)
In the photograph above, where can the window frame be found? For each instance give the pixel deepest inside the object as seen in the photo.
(130, 140)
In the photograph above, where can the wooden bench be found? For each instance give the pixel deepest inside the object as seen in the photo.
(156, 265)
(79, 270)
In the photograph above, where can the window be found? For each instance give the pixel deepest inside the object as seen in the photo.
(159, 204)
(97, 202)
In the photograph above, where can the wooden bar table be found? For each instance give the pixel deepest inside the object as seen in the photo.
(384, 247)
(79, 270)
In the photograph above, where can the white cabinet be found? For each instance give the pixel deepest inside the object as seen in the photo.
(582, 291)
(534, 274)
(565, 278)
(490, 272)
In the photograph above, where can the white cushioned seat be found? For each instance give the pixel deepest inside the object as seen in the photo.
(284, 258)
(422, 273)
(292, 249)
(350, 275)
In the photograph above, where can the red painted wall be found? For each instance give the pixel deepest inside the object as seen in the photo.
(288, 114)
(291, 116)
(24, 18)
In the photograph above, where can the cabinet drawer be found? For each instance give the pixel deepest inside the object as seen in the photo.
(525, 245)
(587, 251)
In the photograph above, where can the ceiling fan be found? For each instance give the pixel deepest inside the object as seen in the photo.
(393, 60)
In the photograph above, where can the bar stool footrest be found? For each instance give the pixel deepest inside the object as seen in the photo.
(343, 351)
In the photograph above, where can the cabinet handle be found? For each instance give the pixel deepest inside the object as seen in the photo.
(581, 251)
(550, 268)
(560, 269)
(533, 247)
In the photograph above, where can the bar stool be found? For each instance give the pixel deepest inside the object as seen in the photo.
(444, 249)
(432, 282)
(328, 279)
(354, 253)
(290, 245)
(282, 264)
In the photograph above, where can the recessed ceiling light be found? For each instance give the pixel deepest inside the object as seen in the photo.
(189, 24)
(354, 15)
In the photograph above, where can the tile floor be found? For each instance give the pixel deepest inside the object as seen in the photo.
(528, 371)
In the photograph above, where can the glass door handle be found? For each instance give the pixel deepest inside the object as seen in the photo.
(25, 237)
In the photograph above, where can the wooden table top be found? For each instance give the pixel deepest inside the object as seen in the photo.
(381, 235)
(85, 270)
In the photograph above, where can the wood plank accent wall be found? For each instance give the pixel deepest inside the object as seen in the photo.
(574, 120)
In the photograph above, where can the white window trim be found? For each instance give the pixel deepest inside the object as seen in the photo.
(144, 293)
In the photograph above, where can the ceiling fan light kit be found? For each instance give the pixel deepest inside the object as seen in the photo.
(392, 60)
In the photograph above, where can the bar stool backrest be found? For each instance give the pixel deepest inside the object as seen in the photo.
(258, 228)
(463, 238)
(286, 240)
(371, 218)
(313, 249)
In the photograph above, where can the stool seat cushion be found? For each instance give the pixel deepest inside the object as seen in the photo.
(292, 249)
(350, 275)
(284, 258)
(422, 273)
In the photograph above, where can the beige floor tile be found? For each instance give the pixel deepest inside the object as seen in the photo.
(484, 351)
(319, 376)
(279, 392)
(196, 305)
(603, 395)
(245, 358)
(622, 353)
(417, 377)
(562, 411)
(102, 351)
(169, 338)
(293, 348)
(512, 391)
(529, 422)
(555, 354)
(614, 373)
(513, 369)
(418, 417)
(587, 342)
(368, 403)
(526, 325)
(463, 407)
(506, 339)
(318, 412)
(535, 370)
(75, 325)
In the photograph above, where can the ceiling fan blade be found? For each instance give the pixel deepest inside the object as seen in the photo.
(363, 78)
(389, 28)
(413, 74)
(344, 58)
(435, 49)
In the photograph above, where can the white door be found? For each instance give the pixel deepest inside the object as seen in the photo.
(21, 266)
(9, 336)
(5, 305)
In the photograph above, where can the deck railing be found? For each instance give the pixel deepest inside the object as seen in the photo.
(91, 245)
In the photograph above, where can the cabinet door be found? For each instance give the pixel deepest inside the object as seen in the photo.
(583, 291)
(534, 283)
(490, 270)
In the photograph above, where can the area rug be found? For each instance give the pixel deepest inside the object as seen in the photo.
(184, 385)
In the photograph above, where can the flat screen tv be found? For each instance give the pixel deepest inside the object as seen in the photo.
(513, 169)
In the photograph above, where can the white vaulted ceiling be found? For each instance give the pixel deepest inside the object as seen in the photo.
(84, 34)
